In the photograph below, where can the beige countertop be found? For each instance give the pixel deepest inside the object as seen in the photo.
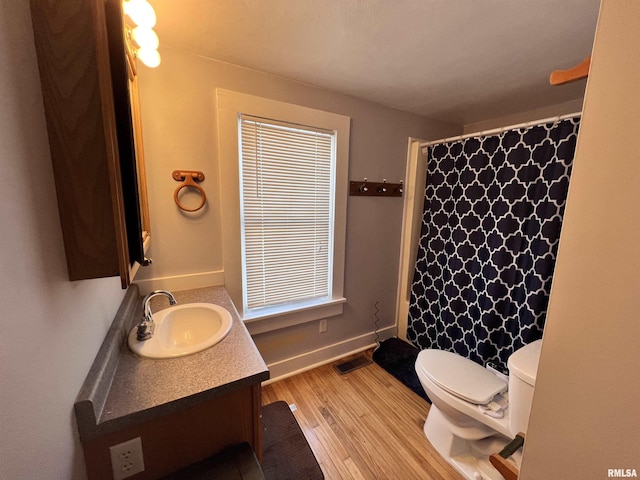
(135, 389)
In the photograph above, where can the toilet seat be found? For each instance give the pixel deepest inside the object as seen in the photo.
(460, 376)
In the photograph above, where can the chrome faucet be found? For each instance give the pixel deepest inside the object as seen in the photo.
(146, 326)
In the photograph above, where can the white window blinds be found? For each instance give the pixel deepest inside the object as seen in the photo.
(287, 175)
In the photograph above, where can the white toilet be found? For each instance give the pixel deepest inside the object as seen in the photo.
(476, 412)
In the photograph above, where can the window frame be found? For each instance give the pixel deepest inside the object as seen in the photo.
(230, 105)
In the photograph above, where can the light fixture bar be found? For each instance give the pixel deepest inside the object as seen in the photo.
(142, 39)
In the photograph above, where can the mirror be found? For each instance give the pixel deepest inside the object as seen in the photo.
(129, 131)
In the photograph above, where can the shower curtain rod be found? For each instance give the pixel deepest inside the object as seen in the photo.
(484, 133)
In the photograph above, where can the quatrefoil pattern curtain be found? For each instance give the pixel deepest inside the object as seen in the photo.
(492, 216)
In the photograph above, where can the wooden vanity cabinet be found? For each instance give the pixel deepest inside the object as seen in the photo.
(91, 136)
(186, 436)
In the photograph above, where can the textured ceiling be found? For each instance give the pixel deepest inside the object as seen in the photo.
(461, 61)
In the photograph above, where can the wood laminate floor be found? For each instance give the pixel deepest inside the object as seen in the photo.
(362, 425)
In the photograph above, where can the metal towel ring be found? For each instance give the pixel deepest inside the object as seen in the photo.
(189, 179)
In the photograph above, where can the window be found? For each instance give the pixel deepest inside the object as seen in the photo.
(284, 188)
(286, 175)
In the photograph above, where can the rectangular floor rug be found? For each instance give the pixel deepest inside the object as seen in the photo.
(286, 455)
(399, 358)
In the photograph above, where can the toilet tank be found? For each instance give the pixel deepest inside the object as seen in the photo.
(523, 367)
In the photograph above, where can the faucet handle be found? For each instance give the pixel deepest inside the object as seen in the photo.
(145, 329)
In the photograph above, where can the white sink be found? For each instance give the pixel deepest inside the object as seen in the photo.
(182, 330)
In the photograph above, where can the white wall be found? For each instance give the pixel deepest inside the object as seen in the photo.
(179, 115)
(50, 328)
(585, 417)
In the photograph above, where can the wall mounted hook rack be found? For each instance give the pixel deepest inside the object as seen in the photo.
(366, 188)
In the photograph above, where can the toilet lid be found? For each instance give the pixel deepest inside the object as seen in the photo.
(460, 376)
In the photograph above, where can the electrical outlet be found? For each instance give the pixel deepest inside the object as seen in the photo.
(323, 325)
(126, 458)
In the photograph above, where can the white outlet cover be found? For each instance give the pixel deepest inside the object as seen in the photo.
(127, 458)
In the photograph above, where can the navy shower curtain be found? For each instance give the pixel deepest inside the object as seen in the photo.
(491, 224)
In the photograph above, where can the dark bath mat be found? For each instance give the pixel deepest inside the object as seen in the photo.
(399, 358)
(286, 453)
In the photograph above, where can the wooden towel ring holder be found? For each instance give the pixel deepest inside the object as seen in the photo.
(189, 179)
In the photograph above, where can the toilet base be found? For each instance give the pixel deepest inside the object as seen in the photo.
(469, 457)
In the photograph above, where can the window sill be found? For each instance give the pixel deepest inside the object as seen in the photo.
(268, 321)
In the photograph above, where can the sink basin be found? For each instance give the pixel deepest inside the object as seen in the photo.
(182, 330)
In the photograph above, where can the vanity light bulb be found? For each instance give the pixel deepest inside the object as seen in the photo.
(150, 57)
(145, 38)
(140, 12)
